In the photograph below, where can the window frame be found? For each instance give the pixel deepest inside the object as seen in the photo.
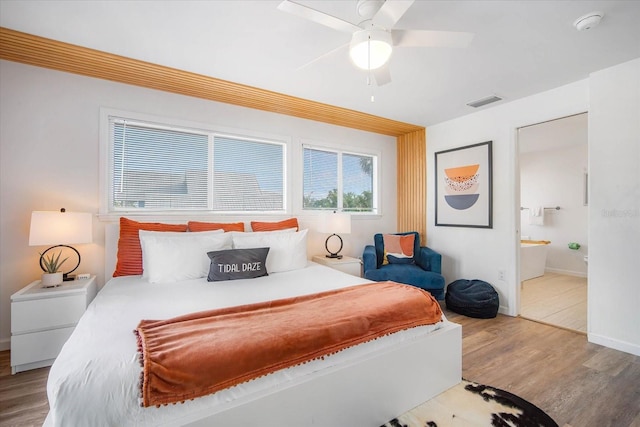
(342, 149)
(106, 165)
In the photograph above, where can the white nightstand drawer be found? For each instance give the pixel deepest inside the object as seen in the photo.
(46, 313)
(352, 268)
(29, 348)
(42, 319)
(345, 264)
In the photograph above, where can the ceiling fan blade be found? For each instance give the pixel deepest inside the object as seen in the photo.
(391, 12)
(426, 38)
(323, 56)
(382, 75)
(318, 17)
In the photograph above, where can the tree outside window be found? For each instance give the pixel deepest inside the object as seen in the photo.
(338, 180)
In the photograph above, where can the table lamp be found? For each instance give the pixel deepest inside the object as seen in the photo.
(60, 229)
(334, 223)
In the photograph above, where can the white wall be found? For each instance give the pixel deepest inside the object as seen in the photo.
(470, 253)
(612, 98)
(555, 178)
(614, 207)
(49, 158)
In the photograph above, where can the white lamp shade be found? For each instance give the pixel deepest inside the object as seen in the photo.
(370, 49)
(56, 228)
(336, 222)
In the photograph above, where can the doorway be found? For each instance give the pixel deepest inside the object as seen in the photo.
(553, 160)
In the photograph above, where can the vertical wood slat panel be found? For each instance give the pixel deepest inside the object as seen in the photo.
(412, 183)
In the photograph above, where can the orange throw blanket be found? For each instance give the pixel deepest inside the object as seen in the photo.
(200, 353)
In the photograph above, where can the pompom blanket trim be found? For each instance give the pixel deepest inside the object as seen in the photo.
(201, 353)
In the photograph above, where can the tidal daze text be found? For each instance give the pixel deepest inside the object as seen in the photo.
(237, 268)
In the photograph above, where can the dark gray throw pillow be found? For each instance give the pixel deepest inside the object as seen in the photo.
(232, 264)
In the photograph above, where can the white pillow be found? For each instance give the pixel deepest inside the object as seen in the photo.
(172, 256)
(283, 230)
(178, 234)
(244, 233)
(287, 251)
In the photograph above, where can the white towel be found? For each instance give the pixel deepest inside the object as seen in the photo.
(536, 215)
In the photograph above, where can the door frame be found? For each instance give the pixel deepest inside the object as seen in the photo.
(515, 287)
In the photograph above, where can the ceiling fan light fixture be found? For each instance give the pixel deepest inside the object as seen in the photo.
(370, 49)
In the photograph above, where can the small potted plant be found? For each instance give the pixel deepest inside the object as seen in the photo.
(51, 264)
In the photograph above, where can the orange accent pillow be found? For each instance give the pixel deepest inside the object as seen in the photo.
(210, 226)
(272, 226)
(398, 248)
(129, 251)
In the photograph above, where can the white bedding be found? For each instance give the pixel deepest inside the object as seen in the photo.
(95, 379)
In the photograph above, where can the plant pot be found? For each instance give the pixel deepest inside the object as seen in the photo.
(50, 280)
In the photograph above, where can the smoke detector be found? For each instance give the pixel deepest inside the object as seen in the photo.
(588, 21)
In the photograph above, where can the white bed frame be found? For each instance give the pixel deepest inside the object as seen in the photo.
(367, 393)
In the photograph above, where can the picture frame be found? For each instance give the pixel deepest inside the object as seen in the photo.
(464, 186)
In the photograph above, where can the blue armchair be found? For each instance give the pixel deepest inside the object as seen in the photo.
(424, 272)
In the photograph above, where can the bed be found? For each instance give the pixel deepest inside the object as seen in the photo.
(95, 379)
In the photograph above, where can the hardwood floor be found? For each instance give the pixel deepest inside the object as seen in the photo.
(556, 299)
(23, 397)
(577, 383)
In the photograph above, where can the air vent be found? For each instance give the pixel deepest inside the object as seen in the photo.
(484, 101)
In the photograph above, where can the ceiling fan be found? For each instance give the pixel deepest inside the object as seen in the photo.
(373, 39)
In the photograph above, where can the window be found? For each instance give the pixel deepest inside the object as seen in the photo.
(248, 175)
(339, 180)
(162, 168)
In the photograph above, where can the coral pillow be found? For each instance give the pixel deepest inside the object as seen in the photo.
(398, 249)
(210, 226)
(129, 250)
(272, 226)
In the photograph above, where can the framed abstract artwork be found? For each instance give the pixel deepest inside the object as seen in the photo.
(464, 187)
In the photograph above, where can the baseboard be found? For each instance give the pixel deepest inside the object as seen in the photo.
(505, 310)
(566, 272)
(5, 344)
(615, 344)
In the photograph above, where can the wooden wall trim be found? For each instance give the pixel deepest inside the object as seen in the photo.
(412, 183)
(411, 139)
(42, 52)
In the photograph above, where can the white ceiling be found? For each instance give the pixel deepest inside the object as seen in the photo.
(520, 47)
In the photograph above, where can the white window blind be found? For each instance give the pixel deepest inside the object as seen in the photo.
(248, 175)
(339, 180)
(320, 182)
(357, 183)
(158, 168)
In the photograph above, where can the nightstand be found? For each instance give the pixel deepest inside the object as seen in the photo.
(42, 320)
(345, 264)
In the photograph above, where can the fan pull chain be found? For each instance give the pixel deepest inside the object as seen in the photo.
(369, 74)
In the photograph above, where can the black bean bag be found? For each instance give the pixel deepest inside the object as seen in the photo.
(473, 298)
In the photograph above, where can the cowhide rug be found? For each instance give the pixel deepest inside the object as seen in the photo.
(471, 404)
